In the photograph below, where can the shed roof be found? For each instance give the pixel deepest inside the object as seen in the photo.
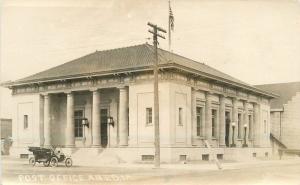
(285, 91)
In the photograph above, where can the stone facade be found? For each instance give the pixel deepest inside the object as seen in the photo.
(192, 110)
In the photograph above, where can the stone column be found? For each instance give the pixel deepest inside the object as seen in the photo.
(194, 115)
(246, 120)
(70, 139)
(235, 118)
(252, 125)
(222, 121)
(47, 121)
(257, 126)
(96, 122)
(208, 117)
(123, 117)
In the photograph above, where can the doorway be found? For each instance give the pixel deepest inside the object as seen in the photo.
(227, 128)
(103, 119)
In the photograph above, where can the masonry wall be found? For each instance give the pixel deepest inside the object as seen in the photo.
(276, 118)
(291, 123)
(265, 126)
(26, 123)
(141, 97)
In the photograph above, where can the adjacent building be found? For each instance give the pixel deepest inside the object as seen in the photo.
(285, 114)
(6, 134)
(104, 102)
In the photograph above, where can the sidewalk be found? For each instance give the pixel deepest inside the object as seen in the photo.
(211, 166)
(193, 165)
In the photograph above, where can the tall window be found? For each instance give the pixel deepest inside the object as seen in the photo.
(265, 126)
(25, 121)
(239, 125)
(149, 116)
(78, 130)
(250, 126)
(213, 122)
(180, 121)
(199, 121)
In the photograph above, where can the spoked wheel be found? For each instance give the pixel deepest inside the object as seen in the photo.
(68, 162)
(46, 163)
(32, 161)
(53, 162)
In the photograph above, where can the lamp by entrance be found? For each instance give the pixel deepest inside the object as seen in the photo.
(233, 127)
(245, 136)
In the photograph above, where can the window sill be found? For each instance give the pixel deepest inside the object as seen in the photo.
(78, 138)
(239, 139)
(213, 138)
(199, 137)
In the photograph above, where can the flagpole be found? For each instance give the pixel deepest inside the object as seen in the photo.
(169, 27)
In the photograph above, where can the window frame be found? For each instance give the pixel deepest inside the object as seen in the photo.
(180, 116)
(76, 128)
(214, 117)
(239, 125)
(25, 121)
(199, 116)
(250, 128)
(265, 126)
(149, 119)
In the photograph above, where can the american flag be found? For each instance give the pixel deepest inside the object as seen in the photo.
(171, 18)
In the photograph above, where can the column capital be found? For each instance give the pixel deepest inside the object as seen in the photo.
(235, 99)
(68, 92)
(93, 89)
(46, 95)
(208, 94)
(252, 101)
(223, 96)
(245, 100)
(122, 87)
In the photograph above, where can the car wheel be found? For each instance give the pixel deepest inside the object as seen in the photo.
(32, 161)
(68, 162)
(53, 162)
(46, 163)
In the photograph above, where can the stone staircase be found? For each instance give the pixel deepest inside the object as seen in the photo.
(94, 156)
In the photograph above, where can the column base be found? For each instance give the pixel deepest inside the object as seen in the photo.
(244, 145)
(222, 146)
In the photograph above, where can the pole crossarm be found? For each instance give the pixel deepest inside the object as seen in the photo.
(159, 35)
(157, 27)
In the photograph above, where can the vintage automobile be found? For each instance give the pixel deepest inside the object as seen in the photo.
(48, 156)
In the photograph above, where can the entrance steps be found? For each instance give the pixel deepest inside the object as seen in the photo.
(95, 156)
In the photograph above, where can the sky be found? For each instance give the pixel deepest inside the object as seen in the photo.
(256, 41)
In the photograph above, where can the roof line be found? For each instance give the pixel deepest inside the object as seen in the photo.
(278, 83)
(76, 59)
(257, 90)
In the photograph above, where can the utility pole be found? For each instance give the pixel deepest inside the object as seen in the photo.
(156, 34)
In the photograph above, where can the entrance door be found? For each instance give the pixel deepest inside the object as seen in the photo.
(227, 128)
(103, 119)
